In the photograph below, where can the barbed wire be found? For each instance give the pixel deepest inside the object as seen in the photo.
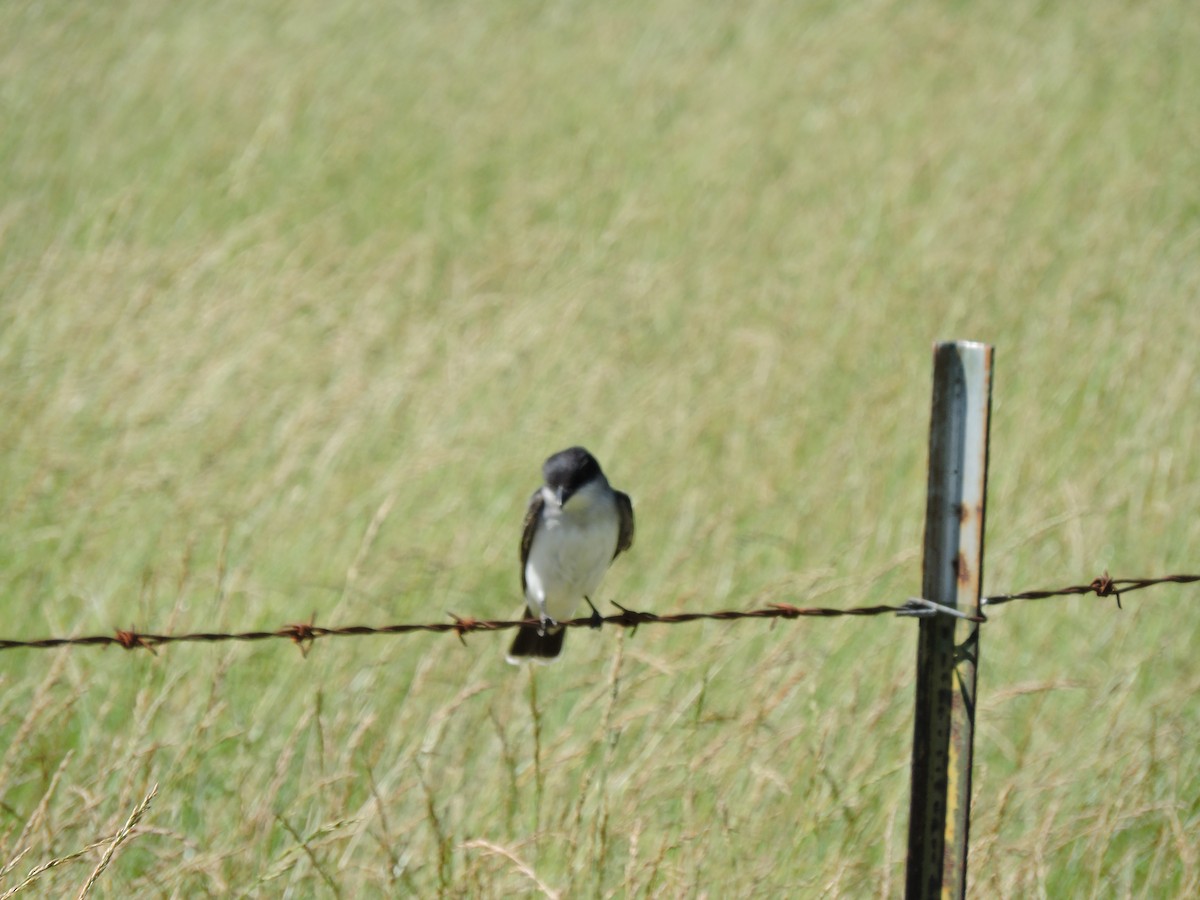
(305, 633)
(1104, 586)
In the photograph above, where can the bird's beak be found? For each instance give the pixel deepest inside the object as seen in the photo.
(561, 498)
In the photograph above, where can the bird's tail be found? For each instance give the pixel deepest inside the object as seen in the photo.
(536, 644)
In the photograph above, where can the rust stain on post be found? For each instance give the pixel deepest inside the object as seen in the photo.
(964, 571)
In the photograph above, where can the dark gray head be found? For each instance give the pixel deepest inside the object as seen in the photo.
(569, 470)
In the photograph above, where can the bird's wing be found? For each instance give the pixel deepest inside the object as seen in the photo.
(625, 523)
(533, 515)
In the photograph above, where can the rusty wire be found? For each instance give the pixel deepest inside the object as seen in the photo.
(305, 633)
(1104, 586)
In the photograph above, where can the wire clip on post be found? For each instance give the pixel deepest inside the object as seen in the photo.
(921, 608)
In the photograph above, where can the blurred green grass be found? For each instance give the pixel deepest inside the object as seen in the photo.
(294, 298)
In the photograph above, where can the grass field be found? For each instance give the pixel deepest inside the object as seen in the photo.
(295, 297)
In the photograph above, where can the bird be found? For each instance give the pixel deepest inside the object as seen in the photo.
(575, 526)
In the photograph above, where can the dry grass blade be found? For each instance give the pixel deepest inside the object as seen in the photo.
(523, 867)
(12, 863)
(121, 837)
(39, 871)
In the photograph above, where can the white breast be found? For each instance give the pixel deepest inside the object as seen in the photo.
(570, 554)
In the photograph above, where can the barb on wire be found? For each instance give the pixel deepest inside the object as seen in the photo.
(304, 634)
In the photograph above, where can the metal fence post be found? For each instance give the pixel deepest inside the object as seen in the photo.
(948, 648)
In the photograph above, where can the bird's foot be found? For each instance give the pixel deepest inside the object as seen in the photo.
(546, 623)
(597, 619)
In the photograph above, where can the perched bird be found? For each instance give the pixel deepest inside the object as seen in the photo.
(575, 526)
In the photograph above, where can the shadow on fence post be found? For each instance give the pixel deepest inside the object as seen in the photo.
(948, 648)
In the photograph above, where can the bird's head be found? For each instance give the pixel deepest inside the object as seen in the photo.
(569, 470)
